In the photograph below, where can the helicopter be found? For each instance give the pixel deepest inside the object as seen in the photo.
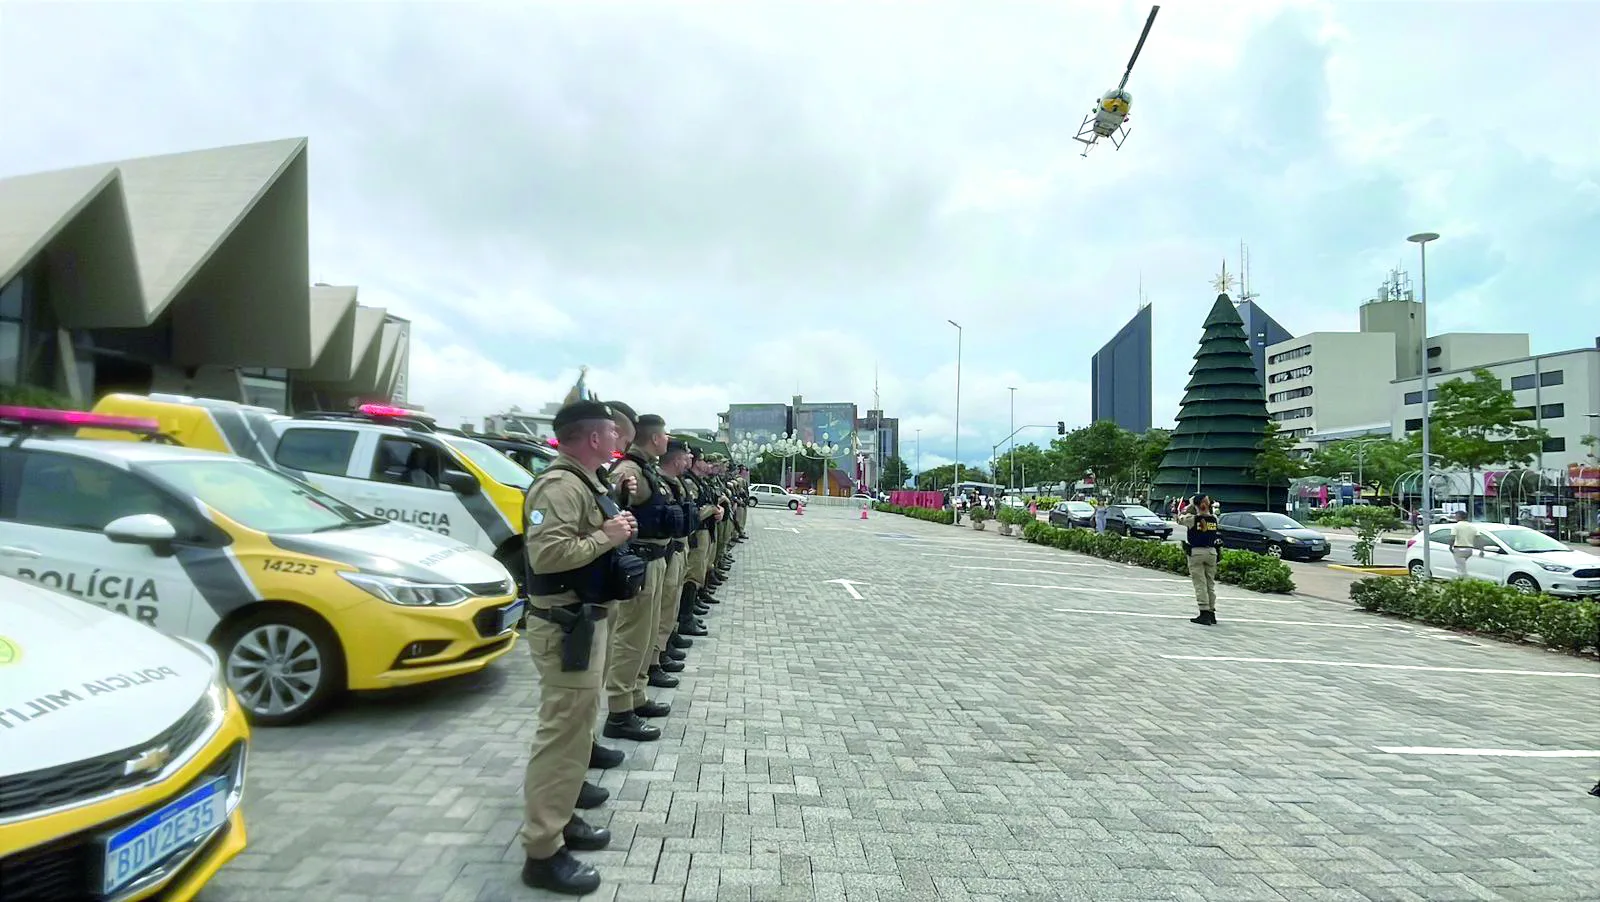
(1111, 110)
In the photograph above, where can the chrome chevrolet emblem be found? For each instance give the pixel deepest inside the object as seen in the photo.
(148, 761)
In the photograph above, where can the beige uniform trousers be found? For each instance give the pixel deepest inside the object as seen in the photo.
(633, 627)
(667, 613)
(569, 704)
(695, 572)
(1203, 573)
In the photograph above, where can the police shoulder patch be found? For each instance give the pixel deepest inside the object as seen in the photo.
(535, 518)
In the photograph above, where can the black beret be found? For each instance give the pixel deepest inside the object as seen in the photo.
(578, 411)
(694, 452)
(677, 446)
(651, 419)
(625, 410)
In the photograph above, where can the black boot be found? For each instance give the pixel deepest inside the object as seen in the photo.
(560, 873)
(653, 709)
(581, 837)
(592, 796)
(1206, 618)
(674, 654)
(627, 725)
(602, 758)
(660, 679)
(679, 641)
(700, 610)
(694, 628)
(667, 665)
(1596, 790)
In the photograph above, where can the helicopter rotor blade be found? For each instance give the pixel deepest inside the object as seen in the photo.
(1139, 46)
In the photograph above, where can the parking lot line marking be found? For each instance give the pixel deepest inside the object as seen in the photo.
(1365, 665)
(1337, 626)
(1101, 590)
(1490, 753)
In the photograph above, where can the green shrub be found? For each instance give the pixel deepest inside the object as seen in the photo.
(916, 513)
(1016, 516)
(1486, 608)
(1245, 569)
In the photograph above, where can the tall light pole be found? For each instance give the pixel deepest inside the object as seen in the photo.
(1421, 239)
(1012, 451)
(917, 481)
(958, 399)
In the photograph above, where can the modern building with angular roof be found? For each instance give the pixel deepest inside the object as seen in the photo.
(185, 273)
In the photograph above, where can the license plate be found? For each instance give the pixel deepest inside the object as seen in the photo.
(134, 850)
(511, 614)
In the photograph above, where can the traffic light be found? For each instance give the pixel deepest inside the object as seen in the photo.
(1061, 427)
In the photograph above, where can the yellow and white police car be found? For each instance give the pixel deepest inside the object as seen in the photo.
(301, 594)
(122, 755)
(389, 461)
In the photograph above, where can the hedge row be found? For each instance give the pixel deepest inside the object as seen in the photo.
(916, 513)
(1245, 569)
(1483, 607)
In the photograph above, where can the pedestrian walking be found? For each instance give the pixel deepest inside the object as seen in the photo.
(1202, 546)
(1463, 543)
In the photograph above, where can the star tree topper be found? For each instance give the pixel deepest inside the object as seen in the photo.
(1224, 282)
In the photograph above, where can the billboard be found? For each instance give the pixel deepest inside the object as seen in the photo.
(838, 421)
(759, 420)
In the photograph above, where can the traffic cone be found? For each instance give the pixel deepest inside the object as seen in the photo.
(800, 509)
(863, 513)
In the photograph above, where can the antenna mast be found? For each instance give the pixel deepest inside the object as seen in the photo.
(1244, 274)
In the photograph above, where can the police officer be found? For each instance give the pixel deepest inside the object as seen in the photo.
(741, 504)
(574, 534)
(691, 597)
(634, 623)
(671, 647)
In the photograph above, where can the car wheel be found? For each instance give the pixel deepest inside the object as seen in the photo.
(794, 505)
(1274, 550)
(754, 501)
(284, 665)
(1523, 583)
(1417, 570)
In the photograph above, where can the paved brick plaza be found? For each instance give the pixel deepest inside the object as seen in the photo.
(955, 737)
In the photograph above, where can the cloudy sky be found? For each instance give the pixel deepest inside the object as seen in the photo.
(735, 202)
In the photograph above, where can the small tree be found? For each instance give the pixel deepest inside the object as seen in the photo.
(1476, 424)
(1276, 462)
(895, 473)
(1369, 522)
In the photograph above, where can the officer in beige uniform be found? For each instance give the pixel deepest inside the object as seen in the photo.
(575, 534)
(670, 646)
(634, 624)
(707, 513)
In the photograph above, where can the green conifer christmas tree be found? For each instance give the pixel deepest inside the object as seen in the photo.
(1220, 423)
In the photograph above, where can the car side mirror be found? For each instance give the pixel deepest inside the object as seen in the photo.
(1494, 549)
(151, 530)
(461, 482)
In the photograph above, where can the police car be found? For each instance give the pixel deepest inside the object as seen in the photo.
(386, 460)
(122, 755)
(302, 594)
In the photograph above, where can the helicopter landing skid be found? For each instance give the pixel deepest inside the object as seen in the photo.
(1117, 137)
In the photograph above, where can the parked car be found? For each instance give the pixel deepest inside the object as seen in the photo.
(1525, 559)
(1271, 533)
(775, 495)
(1136, 521)
(1073, 513)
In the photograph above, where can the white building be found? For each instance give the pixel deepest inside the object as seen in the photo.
(1560, 391)
(1327, 385)
(1454, 351)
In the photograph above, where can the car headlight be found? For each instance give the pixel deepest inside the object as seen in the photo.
(1554, 568)
(406, 592)
(217, 692)
(1291, 540)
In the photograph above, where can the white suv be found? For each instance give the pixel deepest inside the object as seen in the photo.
(775, 495)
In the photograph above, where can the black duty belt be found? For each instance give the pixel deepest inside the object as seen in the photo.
(651, 552)
(567, 612)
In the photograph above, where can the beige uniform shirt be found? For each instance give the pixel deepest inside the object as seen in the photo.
(564, 524)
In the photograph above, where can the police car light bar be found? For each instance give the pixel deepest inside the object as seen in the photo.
(43, 416)
(389, 410)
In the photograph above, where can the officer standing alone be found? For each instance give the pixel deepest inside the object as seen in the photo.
(634, 623)
(1204, 548)
(574, 534)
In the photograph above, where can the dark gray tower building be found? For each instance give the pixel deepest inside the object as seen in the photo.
(1119, 377)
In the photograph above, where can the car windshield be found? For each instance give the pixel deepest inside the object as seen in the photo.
(1278, 521)
(1079, 507)
(1527, 541)
(500, 468)
(258, 498)
(1134, 510)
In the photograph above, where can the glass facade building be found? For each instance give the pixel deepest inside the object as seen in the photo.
(1119, 376)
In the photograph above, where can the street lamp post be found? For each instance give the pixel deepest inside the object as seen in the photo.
(828, 450)
(1361, 457)
(958, 399)
(917, 481)
(1421, 239)
(1011, 451)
